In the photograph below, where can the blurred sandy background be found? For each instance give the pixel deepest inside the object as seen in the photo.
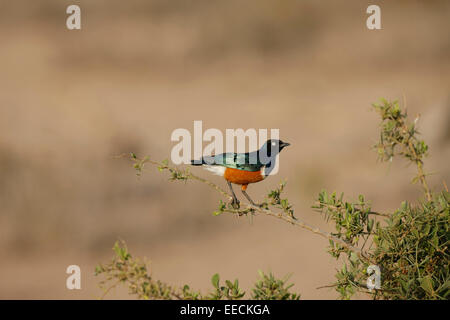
(71, 100)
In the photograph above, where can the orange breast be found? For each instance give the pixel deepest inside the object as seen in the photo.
(237, 176)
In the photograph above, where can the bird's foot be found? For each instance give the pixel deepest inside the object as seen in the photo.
(235, 204)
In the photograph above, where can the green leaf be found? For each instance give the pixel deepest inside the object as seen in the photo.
(215, 280)
(427, 284)
(98, 270)
(370, 225)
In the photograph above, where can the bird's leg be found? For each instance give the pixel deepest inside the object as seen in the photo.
(235, 202)
(244, 187)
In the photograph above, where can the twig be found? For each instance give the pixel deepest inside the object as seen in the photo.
(421, 174)
(115, 284)
(298, 223)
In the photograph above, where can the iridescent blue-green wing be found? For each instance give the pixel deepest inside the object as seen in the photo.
(241, 161)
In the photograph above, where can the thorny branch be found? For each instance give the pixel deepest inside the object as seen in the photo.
(286, 214)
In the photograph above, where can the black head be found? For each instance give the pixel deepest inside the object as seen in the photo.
(274, 146)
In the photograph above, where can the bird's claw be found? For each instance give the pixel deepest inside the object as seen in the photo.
(235, 204)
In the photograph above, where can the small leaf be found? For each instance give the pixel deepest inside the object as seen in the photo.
(427, 284)
(215, 280)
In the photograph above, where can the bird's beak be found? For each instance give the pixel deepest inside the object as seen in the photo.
(285, 144)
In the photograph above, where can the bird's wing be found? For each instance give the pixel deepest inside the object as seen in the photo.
(239, 161)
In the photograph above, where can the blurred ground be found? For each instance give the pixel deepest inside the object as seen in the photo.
(71, 100)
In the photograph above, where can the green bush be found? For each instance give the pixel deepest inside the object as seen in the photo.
(133, 272)
(410, 245)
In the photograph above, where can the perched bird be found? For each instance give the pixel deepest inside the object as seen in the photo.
(244, 168)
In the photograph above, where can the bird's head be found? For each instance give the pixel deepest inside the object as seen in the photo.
(274, 146)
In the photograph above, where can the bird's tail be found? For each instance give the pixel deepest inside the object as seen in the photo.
(208, 160)
(197, 162)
